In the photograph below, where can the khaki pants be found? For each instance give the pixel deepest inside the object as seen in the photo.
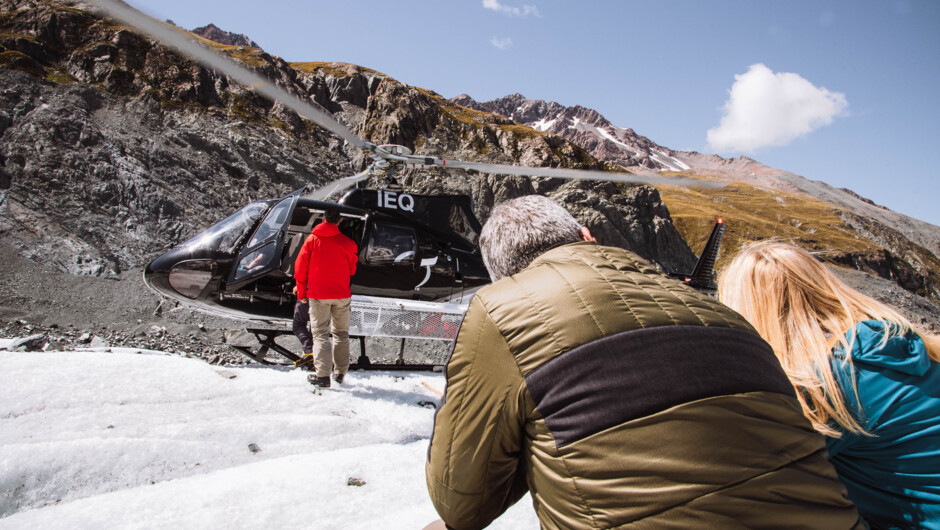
(330, 316)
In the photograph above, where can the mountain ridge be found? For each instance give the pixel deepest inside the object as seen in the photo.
(163, 147)
(216, 34)
(637, 152)
(552, 116)
(159, 147)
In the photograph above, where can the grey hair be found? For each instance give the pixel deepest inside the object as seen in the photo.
(522, 229)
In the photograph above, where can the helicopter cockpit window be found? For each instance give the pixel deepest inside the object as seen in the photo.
(255, 261)
(226, 235)
(272, 223)
(391, 244)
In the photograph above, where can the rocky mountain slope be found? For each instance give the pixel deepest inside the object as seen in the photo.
(620, 145)
(583, 126)
(115, 148)
(760, 202)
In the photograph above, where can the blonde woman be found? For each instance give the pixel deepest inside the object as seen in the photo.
(864, 377)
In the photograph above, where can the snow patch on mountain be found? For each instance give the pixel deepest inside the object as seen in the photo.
(583, 126)
(617, 141)
(669, 161)
(543, 125)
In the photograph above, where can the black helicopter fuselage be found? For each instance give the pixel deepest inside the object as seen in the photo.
(411, 247)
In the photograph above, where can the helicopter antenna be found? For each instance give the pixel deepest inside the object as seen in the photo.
(183, 42)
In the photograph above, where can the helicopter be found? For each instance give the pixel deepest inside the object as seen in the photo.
(419, 262)
(418, 265)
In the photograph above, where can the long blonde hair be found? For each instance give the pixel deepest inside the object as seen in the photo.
(803, 310)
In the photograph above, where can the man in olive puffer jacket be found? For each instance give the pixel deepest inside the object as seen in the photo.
(617, 397)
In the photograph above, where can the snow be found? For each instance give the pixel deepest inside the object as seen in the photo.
(662, 158)
(668, 161)
(616, 140)
(543, 124)
(115, 438)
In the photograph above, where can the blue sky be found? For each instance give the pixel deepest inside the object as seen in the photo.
(846, 92)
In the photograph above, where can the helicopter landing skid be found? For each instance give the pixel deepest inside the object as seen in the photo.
(266, 337)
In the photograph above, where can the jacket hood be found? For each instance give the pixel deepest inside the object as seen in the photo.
(325, 229)
(906, 354)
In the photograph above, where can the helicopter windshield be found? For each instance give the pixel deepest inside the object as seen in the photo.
(272, 224)
(226, 235)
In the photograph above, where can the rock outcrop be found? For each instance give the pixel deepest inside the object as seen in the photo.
(215, 34)
(115, 148)
(585, 127)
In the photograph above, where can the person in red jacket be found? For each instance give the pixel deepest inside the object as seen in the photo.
(322, 271)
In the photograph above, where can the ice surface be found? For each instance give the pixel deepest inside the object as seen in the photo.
(94, 439)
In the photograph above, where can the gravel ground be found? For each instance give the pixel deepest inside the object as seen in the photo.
(62, 311)
(920, 311)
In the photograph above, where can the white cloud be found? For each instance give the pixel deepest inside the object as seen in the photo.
(502, 44)
(523, 11)
(768, 109)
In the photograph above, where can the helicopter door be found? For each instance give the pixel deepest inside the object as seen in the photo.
(262, 252)
(391, 245)
(387, 261)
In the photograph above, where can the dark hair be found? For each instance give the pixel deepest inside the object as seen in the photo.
(331, 216)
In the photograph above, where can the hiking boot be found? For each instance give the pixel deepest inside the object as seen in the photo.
(305, 361)
(338, 377)
(322, 382)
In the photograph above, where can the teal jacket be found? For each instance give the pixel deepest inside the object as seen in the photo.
(894, 476)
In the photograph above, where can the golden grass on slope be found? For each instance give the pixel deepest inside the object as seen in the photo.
(334, 69)
(246, 54)
(755, 214)
(60, 77)
(21, 61)
(523, 131)
(457, 112)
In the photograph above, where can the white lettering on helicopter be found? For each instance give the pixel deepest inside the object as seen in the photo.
(427, 263)
(391, 199)
(406, 202)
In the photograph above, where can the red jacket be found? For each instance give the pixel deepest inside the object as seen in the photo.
(325, 263)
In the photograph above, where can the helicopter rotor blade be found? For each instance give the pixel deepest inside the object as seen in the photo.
(320, 194)
(178, 40)
(565, 173)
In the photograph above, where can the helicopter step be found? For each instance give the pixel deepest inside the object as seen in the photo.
(266, 338)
